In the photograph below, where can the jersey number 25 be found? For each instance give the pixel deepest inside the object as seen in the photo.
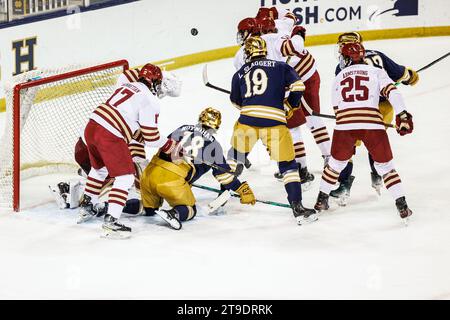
(353, 89)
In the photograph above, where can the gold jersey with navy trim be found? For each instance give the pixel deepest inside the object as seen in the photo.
(257, 92)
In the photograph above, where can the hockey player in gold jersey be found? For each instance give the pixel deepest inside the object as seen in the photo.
(258, 90)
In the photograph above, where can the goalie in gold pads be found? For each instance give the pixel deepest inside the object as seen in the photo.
(258, 90)
(171, 172)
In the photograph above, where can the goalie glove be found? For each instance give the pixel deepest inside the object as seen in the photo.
(412, 79)
(246, 194)
(404, 123)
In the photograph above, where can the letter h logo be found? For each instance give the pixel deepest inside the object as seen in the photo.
(24, 55)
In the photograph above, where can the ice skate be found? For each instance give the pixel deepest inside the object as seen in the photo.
(377, 182)
(306, 178)
(303, 215)
(115, 230)
(322, 202)
(170, 216)
(403, 209)
(89, 210)
(60, 192)
(342, 193)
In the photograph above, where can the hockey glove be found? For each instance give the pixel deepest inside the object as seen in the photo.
(413, 77)
(246, 194)
(299, 30)
(404, 123)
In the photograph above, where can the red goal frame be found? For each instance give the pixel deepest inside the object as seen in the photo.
(16, 114)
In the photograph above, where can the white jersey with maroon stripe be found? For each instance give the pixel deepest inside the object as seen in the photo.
(130, 75)
(273, 43)
(355, 96)
(131, 110)
(299, 58)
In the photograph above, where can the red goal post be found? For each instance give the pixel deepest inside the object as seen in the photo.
(91, 78)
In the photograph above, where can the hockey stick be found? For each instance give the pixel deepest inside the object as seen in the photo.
(329, 116)
(272, 203)
(206, 81)
(432, 63)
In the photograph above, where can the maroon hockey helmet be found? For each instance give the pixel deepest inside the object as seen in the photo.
(267, 25)
(246, 28)
(353, 52)
(267, 13)
(151, 73)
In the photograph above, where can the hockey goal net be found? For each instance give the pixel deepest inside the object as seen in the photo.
(46, 111)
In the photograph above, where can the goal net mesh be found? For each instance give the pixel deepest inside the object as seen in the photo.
(52, 118)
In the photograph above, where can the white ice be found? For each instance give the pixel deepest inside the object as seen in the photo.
(360, 251)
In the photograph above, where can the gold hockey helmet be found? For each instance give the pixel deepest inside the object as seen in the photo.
(255, 47)
(350, 37)
(211, 118)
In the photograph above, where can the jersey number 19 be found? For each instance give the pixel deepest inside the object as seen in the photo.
(256, 82)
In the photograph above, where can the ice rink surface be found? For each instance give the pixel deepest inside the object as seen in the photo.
(359, 251)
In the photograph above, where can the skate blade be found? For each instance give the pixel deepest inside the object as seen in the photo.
(115, 235)
(173, 223)
(342, 201)
(81, 219)
(377, 190)
(406, 221)
(306, 220)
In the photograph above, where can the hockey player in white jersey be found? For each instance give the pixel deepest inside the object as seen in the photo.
(67, 193)
(355, 96)
(133, 107)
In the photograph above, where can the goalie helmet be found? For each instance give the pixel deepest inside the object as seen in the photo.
(351, 53)
(255, 47)
(210, 118)
(267, 25)
(246, 28)
(152, 75)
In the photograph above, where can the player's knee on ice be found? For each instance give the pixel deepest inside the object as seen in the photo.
(186, 213)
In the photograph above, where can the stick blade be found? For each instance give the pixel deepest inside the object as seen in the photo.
(205, 74)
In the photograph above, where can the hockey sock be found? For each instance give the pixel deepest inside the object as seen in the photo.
(299, 146)
(347, 172)
(320, 134)
(186, 213)
(393, 184)
(291, 180)
(94, 183)
(391, 178)
(118, 194)
(330, 174)
(323, 140)
(300, 154)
